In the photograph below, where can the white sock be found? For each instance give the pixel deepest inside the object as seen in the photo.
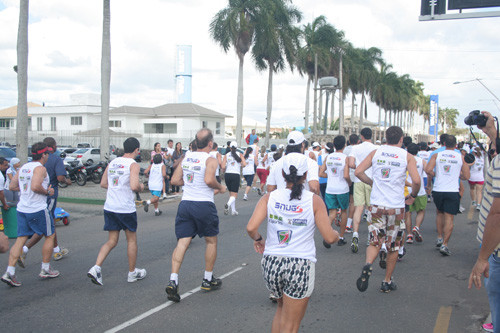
(57, 249)
(349, 222)
(175, 277)
(208, 276)
(157, 210)
(355, 234)
(25, 249)
(401, 250)
(384, 248)
(130, 273)
(230, 201)
(233, 206)
(11, 270)
(148, 202)
(45, 265)
(98, 268)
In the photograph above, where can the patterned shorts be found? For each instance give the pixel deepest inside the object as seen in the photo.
(386, 224)
(293, 277)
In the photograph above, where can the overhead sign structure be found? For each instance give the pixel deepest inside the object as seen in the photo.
(434, 116)
(432, 10)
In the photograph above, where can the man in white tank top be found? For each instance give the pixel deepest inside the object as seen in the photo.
(389, 164)
(448, 167)
(121, 179)
(33, 215)
(196, 214)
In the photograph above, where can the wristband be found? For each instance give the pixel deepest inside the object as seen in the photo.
(258, 239)
(413, 196)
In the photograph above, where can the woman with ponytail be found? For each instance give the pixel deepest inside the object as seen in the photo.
(232, 163)
(249, 170)
(289, 252)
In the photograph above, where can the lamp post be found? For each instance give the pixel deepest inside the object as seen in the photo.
(480, 81)
(328, 83)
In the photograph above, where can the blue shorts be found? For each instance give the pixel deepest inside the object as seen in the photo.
(196, 218)
(249, 179)
(425, 181)
(120, 221)
(41, 223)
(52, 204)
(336, 201)
(155, 193)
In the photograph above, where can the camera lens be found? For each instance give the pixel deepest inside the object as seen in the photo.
(469, 158)
(469, 120)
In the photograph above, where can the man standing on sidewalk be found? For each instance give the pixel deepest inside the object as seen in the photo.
(33, 215)
(121, 179)
(448, 167)
(386, 224)
(196, 214)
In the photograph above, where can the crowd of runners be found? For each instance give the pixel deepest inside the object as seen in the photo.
(302, 187)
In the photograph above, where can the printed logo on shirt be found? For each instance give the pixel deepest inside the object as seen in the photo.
(192, 160)
(190, 177)
(380, 162)
(25, 187)
(115, 181)
(275, 219)
(396, 164)
(298, 222)
(26, 171)
(447, 168)
(289, 208)
(334, 171)
(390, 155)
(386, 172)
(284, 237)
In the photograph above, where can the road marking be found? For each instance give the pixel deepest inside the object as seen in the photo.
(443, 320)
(163, 306)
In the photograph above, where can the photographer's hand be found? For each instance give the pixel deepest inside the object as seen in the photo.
(490, 129)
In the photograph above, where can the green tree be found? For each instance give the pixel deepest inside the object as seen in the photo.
(448, 118)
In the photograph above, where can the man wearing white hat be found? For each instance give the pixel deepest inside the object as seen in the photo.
(295, 145)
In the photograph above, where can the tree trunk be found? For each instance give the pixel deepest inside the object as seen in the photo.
(352, 111)
(385, 120)
(269, 103)
(22, 83)
(306, 112)
(379, 116)
(341, 99)
(105, 79)
(320, 109)
(361, 111)
(332, 111)
(315, 106)
(239, 102)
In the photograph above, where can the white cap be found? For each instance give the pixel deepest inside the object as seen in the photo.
(281, 146)
(435, 145)
(299, 161)
(233, 144)
(295, 138)
(378, 141)
(316, 144)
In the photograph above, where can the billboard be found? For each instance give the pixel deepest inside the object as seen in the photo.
(183, 74)
(467, 4)
(434, 116)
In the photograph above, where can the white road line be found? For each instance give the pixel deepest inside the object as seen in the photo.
(162, 306)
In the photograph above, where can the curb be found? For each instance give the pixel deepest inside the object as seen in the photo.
(81, 201)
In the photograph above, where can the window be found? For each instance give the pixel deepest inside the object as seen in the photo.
(170, 128)
(76, 121)
(95, 152)
(6, 123)
(52, 123)
(39, 123)
(204, 124)
(217, 127)
(115, 123)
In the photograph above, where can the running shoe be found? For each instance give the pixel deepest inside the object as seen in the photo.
(341, 242)
(158, 213)
(388, 286)
(245, 197)
(138, 274)
(417, 234)
(362, 282)
(211, 285)
(348, 230)
(61, 254)
(478, 207)
(10, 280)
(409, 239)
(173, 291)
(325, 244)
(488, 327)
(234, 213)
(401, 255)
(439, 242)
(21, 261)
(428, 198)
(444, 250)
(354, 245)
(461, 209)
(473, 203)
(259, 192)
(48, 273)
(95, 275)
(226, 209)
(365, 216)
(146, 206)
(164, 196)
(383, 259)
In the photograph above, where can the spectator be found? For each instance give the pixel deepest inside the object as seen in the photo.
(176, 158)
(252, 138)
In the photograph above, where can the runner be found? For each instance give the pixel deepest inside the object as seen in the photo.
(263, 168)
(353, 140)
(448, 167)
(361, 190)
(196, 214)
(476, 180)
(289, 252)
(316, 150)
(420, 203)
(389, 164)
(232, 163)
(215, 154)
(249, 170)
(121, 179)
(33, 215)
(337, 189)
(157, 173)
(425, 153)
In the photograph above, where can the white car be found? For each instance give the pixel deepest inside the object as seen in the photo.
(91, 155)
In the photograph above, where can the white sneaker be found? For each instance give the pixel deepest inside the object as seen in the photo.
(461, 209)
(234, 213)
(95, 275)
(138, 274)
(164, 195)
(245, 197)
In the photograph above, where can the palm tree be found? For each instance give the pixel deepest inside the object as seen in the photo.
(234, 26)
(105, 78)
(382, 90)
(276, 44)
(22, 83)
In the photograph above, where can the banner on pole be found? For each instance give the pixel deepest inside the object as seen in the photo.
(434, 116)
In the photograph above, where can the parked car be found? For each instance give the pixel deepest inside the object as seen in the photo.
(68, 150)
(7, 153)
(89, 155)
(83, 145)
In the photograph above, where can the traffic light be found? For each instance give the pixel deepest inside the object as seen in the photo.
(439, 8)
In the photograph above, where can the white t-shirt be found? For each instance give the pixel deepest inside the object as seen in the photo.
(360, 152)
(170, 151)
(194, 166)
(335, 164)
(261, 164)
(4, 183)
(425, 156)
(213, 154)
(232, 166)
(477, 170)
(421, 173)
(347, 152)
(249, 169)
(448, 168)
(155, 182)
(29, 201)
(120, 197)
(276, 177)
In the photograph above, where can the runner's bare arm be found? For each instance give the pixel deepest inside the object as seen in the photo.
(36, 182)
(323, 222)
(135, 185)
(146, 172)
(177, 176)
(210, 178)
(465, 172)
(322, 171)
(243, 161)
(164, 171)
(351, 160)
(314, 186)
(347, 176)
(104, 178)
(258, 216)
(14, 183)
(429, 169)
(362, 167)
(224, 163)
(415, 177)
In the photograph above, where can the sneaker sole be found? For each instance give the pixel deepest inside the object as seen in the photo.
(362, 282)
(211, 287)
(136, 279)
(354, 248)
(172, 295)
(93, 279)
(418, 237)
(444, 253)
(226, 209)
(325, 244)
(10, 283)
(48, 276)
(383, 260)
(20, 263)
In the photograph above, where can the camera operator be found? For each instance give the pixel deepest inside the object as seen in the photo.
(488, 261)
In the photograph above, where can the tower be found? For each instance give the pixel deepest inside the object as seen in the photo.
(183, 74)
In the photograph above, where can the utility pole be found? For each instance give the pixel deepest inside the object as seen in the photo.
(315, 94)
(341, 98)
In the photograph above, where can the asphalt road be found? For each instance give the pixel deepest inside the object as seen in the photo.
(432, 293)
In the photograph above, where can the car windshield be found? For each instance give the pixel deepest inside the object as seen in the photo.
(81, 151)
(7, 152)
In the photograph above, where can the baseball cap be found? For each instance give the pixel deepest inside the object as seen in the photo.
(281, 146)
(316, 144)
(295, 138)
(297, 160)
(273, 147)
(233, 144)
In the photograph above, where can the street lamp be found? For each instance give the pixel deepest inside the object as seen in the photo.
(480, 81)
(328, 83)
